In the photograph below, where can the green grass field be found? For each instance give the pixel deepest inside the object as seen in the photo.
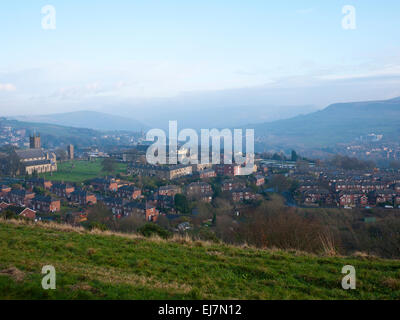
(110, 266)
(79, 171)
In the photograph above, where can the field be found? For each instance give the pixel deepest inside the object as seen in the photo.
(95, 265)
(79, 171)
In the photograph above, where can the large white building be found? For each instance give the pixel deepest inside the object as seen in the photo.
(36, 160)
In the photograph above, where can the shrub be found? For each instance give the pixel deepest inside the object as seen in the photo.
(151, 229)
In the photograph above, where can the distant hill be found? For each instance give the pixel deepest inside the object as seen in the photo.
(53, 134)
(88, 119)
(341, 122)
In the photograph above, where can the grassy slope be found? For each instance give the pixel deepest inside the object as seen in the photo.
(83, 170)
(104, 266)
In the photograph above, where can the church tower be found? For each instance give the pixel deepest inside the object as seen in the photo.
(34, 141)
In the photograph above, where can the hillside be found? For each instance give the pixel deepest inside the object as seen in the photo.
(57, 134)
(109, 266)
(342, 122)
(88, 119)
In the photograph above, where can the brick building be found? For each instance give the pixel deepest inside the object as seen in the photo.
(147, 210)
(45, 204)
(39, 182)
(168, 172)
(83, 197)
(20, 197)
(62, 190)
(227, 169)
(169, 190)
(129, 192)
(199, 191)
(242, 195)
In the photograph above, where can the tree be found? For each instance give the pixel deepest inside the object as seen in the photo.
(223, 206)
(163, 222)
(7, 214)
(39, 191)
(278, 157)
(61, 154)
(274, 225)
(225, 228)
(349, 163)
(99, 214)
(181, 203)
(13, 164)
(131, 223)
(204, 212)
(108, 164)
(151, 229)
(280, 183)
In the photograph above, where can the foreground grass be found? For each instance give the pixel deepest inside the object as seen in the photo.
(79, 171)
(112, 266)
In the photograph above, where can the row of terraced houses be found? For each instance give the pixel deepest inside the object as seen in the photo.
(350, 189)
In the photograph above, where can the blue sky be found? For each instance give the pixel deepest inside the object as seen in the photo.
(112, 50)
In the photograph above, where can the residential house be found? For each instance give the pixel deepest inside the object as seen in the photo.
(206, 174)
(28, 213)
(4, 191)
(258, 180)
(45, 204)
(129, 192)
(169, 190)
(231, 184)
(116, 205)
(147, 210)
(39, 182)
(20, 197)
(4, 206)
(104, 184)
(352, 199)
(385, 196)
(62, 190)
(319, 196)
(75, 218)
(227, 169)
(243, 194)
(199, 191)
(168, 172)
(83, 197)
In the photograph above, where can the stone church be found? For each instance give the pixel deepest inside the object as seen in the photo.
(35, 159)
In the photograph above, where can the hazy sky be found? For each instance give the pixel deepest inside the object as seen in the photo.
(104, 52)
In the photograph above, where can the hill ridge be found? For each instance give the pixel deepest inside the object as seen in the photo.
(337, 123)
(87, 119)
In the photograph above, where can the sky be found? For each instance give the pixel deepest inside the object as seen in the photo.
(130, 53)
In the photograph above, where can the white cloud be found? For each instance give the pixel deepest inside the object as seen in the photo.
(7, 87)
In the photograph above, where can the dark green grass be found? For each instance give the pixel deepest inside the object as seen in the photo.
(96, 266)
(82, 170)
